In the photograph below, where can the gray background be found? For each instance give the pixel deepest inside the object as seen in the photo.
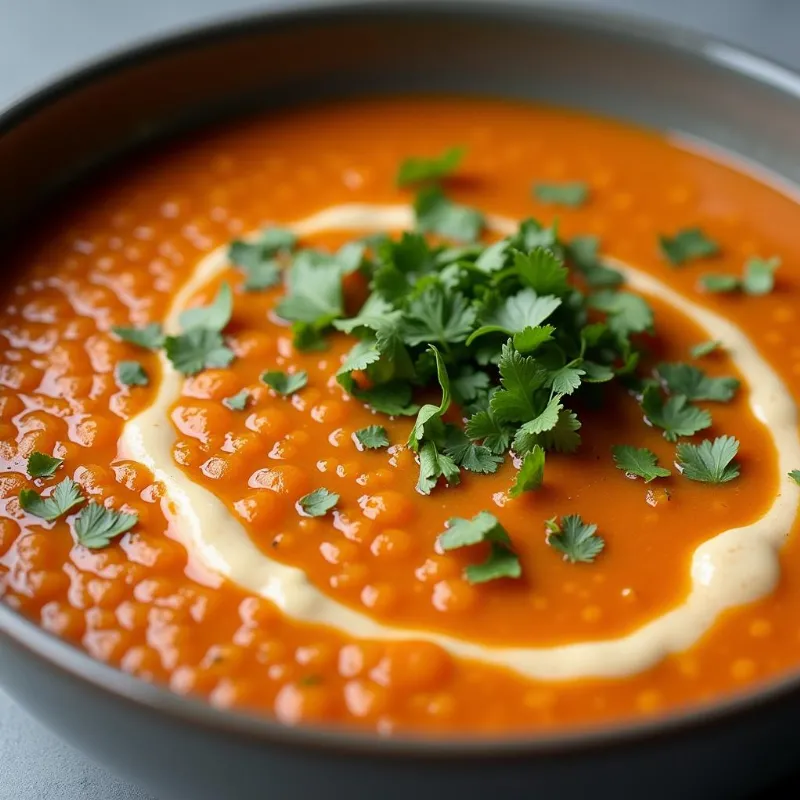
(41, 38)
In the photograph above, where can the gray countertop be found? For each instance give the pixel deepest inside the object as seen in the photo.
(40, 39)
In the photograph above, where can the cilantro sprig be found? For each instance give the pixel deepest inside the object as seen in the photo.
(686, 245)
(758, 278)
(577, 540)
(638, 462)
(709, 462)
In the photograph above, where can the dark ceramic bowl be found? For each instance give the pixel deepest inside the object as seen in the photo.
(662, 77)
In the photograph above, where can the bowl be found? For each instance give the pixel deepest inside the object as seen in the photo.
(652, 74)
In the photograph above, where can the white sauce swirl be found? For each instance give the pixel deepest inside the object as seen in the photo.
(734, 567)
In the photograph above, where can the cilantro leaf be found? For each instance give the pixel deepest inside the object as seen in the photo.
(520, 377)
(96, 526)
(627, 313)
(709, 462)
(704, 348)
(542, 271)
(719, 284)
(675, 416)
(566, 379)
(692, 382)
(583, 252)
(795, 476)
(573, 193)
(467, 454)
(529, 434)
(526, 309)
(530, 339)
(759, 275)
(131, 373)
(468, 384)
(687, 244)
(416, 169)
(317, 503)
(531, 472)
(196, 350)
(502, 562)
(358, 359)
(392, 398)
(563, 437)
(436, 214)
(435, 317)
(434, 465)
(639, 462)
(237, 402)
(373, 437)
(576, 539)
(314, 293)
(150, 336)
(429, 414)
(485, 426)
(263, 275)
(257, 258)
(65, 496)
(213, 317)
(41, 465)
(285, 383)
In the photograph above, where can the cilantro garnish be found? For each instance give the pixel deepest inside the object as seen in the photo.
(131, 373)
(518, 313)
(758, 278)
(583, 251)
(285, 383)
(150, 336)
(468, 455)
(692, 382)
(65, 496)
(686, 245)
(576, 539)
(627, 313)
(237, 402)
(638, 462)
(419, 170)
(572, 193)
(41, 465)
(795, 476)
(373, 437)
(502, 561)
(196, 350)
(675, 416)
(213, 317)
(709, 462)
(95, 525)
(435, 213)
(317, 503)
(257, 258)
(434, 465)
(531, 472)
(704, 348)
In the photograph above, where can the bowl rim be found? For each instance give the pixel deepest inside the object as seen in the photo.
(79, 665)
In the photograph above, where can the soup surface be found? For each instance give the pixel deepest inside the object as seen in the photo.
(497, 443)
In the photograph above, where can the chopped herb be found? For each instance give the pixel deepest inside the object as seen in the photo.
(675, 416)
(96, 526)
(257, 258)
(795, 476)
(704, 348)
(196, 350)
(572, 193)
(131, 373)
(213, 317)
(436, 214)
(65, 496)
(465, 453)
(709, 462)
(686, 245)
(317, 503)
(485, 427)
(638, 462)
(285, 383)
(583, 252)
(502, 562)
(719, 284)
(150, 336)
(576, 539)
(692, 382)
(237, 402)
(40, 465)
(627, 313)
(759, 275)
(519, 312)
(434, 465)
(531, 472)
(418, 170)
(373, 437)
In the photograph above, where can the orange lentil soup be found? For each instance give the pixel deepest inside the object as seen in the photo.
(360, 592)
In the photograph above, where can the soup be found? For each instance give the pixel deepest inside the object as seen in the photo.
(479, 426)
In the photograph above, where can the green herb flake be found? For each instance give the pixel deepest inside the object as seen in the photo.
(196, 350)
(317, 503)
(577, 540)
(676, 417)
(419, 170)
(705, 348)
(131, 373)
(435, 213)
(715, 283)
(692, 382)
(213, 317)
(502, 561)
(372, 437)
(686, 245)
(759, 275)
(709, 462)
(530, 474)
(572, 193)
(64, 497)
(41, 465)
(237, 402)
(638, 462)
(150, 337)
(95, 526)
(285, 383)
(795, 476)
